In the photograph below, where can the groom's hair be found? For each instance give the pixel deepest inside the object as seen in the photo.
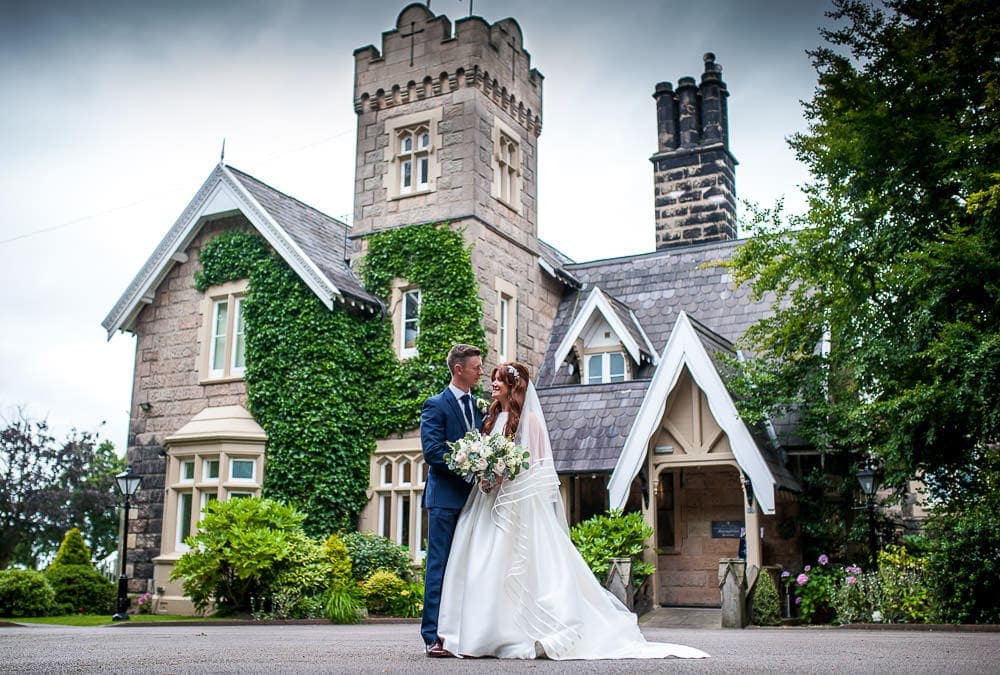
(459, 353)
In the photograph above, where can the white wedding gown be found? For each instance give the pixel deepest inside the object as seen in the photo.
(515, 580)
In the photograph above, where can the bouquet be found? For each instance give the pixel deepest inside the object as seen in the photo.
(490, 458)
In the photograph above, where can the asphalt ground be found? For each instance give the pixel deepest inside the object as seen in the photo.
(397, 648)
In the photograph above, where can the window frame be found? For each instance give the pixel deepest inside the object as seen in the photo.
(605, 371)
(507, 162)
(404, 351)
(418, 161)
(241, 460)
(506, 318)
(232, 296)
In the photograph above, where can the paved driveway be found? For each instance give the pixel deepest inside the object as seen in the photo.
(396, 648)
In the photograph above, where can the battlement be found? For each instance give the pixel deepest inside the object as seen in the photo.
(422, 58)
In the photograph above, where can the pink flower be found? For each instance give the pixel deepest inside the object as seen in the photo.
(798, 601)
(851, 580)
(785, 574)
(807, 568)
(823, 559)
(802, 579)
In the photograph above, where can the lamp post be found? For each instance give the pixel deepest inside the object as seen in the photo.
(127, 485)
(866, 478)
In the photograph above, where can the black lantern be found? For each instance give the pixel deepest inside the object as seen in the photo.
(866, 479)
(128, 485)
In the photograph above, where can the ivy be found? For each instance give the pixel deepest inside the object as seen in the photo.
(324, 384)
(434, 258)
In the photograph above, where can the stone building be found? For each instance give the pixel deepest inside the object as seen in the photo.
(626, 351)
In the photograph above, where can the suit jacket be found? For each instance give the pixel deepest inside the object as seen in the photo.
(442, 421)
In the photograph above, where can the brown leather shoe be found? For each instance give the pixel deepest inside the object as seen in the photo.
(436, 650)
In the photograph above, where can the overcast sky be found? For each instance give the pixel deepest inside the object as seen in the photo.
(114, 114)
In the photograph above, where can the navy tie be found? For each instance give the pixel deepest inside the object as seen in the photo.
(467, 408)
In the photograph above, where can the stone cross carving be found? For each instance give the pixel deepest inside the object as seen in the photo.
(513, 56)
(412, 35)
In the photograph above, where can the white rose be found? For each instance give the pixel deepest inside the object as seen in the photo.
(460, 457)
(481, 464)
(500, 466)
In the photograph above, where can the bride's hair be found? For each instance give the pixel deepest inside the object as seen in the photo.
(515, 376)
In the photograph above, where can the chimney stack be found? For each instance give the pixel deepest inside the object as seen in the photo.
(693, 170)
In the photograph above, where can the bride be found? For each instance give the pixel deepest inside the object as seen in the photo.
(515, 585)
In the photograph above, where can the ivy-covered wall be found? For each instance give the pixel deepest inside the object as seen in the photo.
(324, 384)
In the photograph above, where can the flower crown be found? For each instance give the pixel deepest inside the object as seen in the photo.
(513, 372)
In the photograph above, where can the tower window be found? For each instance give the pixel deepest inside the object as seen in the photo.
(413, 159)
(410, 154)
(506, 165)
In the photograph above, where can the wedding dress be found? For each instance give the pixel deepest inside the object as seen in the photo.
(515, 585)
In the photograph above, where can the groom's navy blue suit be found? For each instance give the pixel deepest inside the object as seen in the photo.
(445, 493)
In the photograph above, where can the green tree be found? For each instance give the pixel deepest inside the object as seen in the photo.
(48, 487)
(73, 550)
(896, 264)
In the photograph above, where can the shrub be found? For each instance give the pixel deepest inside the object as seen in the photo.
(339, 559)
(370, 553)
(613, 535)
(246, 553)
(73, 550)
(25, 593)
(409, 602)
(905, 594)
(964, 563)
(381, 590)
(343, 606)
(814, 589)
(81, 588)
(858, 596)
(764, 603)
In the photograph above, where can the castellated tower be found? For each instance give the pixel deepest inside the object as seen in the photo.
(448, 124)
(693, 170)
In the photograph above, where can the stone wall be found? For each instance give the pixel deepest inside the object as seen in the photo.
(166, 377)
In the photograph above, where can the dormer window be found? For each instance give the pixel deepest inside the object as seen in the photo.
(605, 367)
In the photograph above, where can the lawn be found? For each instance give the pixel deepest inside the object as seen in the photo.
(103, 619)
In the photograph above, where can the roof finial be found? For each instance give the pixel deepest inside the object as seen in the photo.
(222, 155)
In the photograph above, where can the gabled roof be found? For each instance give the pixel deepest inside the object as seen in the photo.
(313, 244)
(686, 348)
(657, 286)
(622, 321)
(588, 423)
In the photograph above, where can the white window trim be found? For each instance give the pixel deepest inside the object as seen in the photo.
(605, 366)
(232, 293)
(398, 534)
(384, 513)
(179, 544)
(230, 493)
(205, 478)
(405, 462)
(504, 168)
(253, 471)
(383, 465)
(506, 348)
(404, 351)
(395, 130)
(181, 478)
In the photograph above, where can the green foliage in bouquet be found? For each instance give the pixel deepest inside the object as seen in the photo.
(613, 535)
(25, 593)
(371, 552)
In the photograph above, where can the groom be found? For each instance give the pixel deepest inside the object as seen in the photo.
(445, 418)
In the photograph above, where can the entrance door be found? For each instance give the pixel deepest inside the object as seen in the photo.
(688, 501)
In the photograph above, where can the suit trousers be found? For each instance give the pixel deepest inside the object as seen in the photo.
(441, 524)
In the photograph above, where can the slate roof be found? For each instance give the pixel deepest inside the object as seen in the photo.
(631, 323)
(591, 422)
(558, 262)
(588, 424)
(323, 238)
(656, 286)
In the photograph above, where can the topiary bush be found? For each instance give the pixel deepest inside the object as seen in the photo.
(613, 535)
(371, 552)
(25, 593)
(78, 586)
(73, 550)
(765, 607)
(381, 591)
